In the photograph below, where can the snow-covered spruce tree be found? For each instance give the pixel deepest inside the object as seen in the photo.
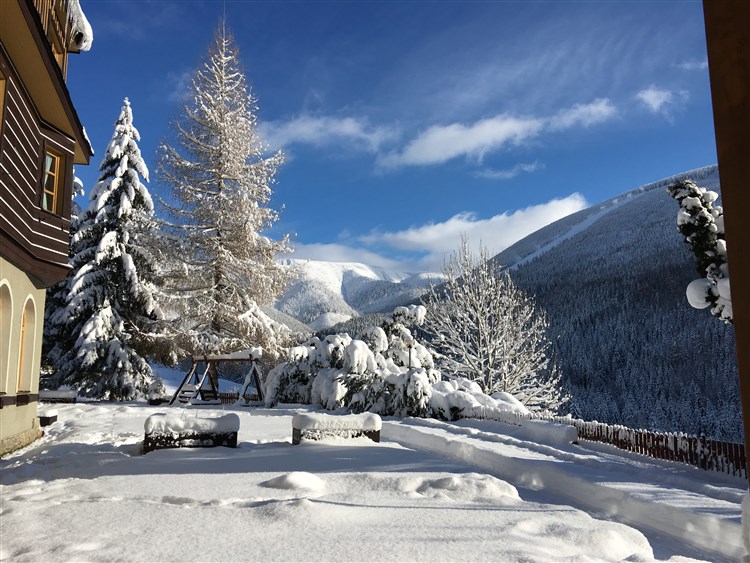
(104, 327)
(218, 266)
(484, 328)
(702, 224)
(56, 298)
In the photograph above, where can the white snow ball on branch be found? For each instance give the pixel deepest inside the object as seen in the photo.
(698, 292)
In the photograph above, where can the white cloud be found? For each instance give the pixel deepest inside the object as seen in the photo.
(693, 65)
(435, 241)
(441, 143)
(659, 100)
(336, 252)
(584, 115)
(320, 131)
(508, 173)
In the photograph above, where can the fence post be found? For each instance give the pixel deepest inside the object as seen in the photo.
(702, 457)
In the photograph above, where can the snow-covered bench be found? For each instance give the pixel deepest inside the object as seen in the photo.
(314, 426)
(58, 395)
(49, 417)
(177, 431)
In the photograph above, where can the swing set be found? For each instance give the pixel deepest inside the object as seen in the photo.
(198, 387)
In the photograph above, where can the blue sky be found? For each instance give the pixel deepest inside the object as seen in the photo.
(407, 124)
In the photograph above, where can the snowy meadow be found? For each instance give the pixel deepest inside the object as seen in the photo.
(429, 491)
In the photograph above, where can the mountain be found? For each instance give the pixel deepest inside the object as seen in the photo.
(325, 293)
(612, 281)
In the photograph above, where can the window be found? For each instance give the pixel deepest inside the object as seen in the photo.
(52, 180)
(26, 346)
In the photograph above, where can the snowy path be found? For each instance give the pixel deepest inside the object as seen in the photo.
(430, 491)
(685, 503)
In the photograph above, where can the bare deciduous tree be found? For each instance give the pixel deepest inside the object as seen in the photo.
(486, 329)
(219, 267)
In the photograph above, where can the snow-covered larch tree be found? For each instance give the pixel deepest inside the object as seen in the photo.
(484, 328)
(104, 326)
(220, 268)
(702, 224)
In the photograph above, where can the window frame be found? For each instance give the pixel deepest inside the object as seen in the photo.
(59, 176)
(3, 89)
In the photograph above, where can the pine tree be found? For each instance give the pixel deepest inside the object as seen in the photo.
(109, 309)
(57, 294)
(702, 224)
(486, 329)
(220, 267)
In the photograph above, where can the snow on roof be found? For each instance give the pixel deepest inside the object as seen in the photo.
(82, 34)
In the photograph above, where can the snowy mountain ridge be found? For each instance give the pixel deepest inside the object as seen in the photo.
(323, 293)
(550, 236)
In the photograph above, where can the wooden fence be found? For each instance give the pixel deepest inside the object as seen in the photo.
(711, 455)
(229, 397)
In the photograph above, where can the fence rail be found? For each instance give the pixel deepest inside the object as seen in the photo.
(710, 455)
(229, 397)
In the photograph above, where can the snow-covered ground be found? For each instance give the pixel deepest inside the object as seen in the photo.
(430, 491)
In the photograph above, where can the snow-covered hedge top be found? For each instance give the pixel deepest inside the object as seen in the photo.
(162, 423)
(318, 421)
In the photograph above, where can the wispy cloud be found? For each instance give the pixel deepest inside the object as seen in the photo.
(583, 115)
(693, 65)
(434, 241)
(508, 173)
(179, 84)
(659, 100)
(320, 131)
(442, 143)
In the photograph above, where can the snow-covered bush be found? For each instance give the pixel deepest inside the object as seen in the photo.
(384, 371)
(702, 224)
(156, 390)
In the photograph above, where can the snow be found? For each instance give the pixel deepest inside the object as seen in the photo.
(430, 491)
(697, 293)
(82, 36)
(367, 422)
(177, 423)
(746, 522)
(327, 320)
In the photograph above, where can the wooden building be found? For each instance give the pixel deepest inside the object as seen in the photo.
(41, 138)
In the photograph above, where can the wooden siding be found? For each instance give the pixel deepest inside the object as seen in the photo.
(35, 239)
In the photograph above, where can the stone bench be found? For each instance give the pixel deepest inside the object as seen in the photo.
(315, 426)
(176, 431)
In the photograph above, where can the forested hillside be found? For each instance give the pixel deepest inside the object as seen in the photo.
(630, 346)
